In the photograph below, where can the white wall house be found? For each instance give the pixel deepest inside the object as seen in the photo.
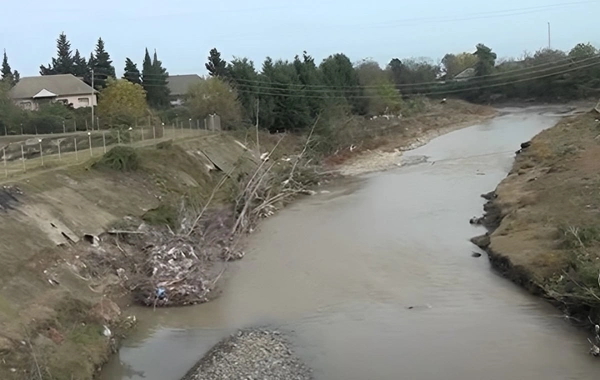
(32, 92)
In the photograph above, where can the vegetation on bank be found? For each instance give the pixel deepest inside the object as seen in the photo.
(548, 222)
(287, 95)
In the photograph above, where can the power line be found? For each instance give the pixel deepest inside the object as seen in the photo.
(480, 15)
(442, 92)
(564, 62)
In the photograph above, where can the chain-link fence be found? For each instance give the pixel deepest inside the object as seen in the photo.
(26, 153)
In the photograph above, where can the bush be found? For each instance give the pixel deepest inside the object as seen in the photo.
(121, 158)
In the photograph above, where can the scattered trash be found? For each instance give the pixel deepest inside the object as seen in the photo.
(264, 156)
(106, 332)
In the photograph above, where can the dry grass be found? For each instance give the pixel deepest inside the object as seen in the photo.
(551, 203)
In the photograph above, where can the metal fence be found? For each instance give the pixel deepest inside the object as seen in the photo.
(22, 154)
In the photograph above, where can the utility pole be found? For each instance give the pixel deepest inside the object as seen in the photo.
(549, 37)
(92, 100)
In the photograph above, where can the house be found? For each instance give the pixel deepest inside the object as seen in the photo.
(179, 86)
(31, 92)
(465, 75)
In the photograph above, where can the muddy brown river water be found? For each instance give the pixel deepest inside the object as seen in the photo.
(339, 272)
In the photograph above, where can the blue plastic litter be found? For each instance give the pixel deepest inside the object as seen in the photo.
(161, 293)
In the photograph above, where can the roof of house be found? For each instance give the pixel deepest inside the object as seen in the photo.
(44, 94)
(466, 73)
(180, 84)
(64, 84)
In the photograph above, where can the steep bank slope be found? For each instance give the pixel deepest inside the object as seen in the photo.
(53, 309)
(545, 217)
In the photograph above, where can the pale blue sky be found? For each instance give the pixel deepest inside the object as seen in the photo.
(183, 31)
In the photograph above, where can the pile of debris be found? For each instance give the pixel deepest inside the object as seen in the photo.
(178, 274)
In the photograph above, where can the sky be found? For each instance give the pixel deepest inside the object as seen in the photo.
(183, 31)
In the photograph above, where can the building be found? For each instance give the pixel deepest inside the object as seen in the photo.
(465, 75)
(32, 92)
(179, 86)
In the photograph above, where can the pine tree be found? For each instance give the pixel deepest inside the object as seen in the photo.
(80, 66)
(102, 66)
(216, 66)
(7, 74)
(154, 81)
(132, 73)
(63, 63)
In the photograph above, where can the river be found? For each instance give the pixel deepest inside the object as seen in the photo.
(376, 280)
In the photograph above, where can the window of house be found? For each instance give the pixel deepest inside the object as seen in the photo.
(62, 101)
(26, 105)
(84, 101)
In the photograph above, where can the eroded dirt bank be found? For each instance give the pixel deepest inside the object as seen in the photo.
(544, 218)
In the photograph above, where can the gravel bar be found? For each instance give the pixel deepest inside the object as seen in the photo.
(250, 355)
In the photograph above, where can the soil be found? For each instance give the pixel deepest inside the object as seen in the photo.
(544, 218)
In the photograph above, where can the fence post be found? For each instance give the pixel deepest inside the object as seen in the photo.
(90, 140)
(64, 127)
(41, 152)
(86, 125)
(74, 125)
(76, 155)
(98, 122)
(163, 127)
(153, 132)
(59, 157)
(23, 158)
(142, 133)
(104, 140)
(5, 130)
(5, 167)
(198, 124)
(182, 128)
(190, 123)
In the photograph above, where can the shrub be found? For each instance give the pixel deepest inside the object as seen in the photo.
(121, 158)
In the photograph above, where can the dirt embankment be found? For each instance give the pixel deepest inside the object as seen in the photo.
(382, 145)
(544, 218)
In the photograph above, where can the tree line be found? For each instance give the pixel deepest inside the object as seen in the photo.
(289, 95)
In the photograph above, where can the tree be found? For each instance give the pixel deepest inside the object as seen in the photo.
(121, 102)
(102, 66)
(8, 76)
(339, 74)
(215, 96)
(486, 60)
(154, 81)
(243, 77)
(131, 72)
(216, 66)
(80, 66)
(63, 63)
(382, 96)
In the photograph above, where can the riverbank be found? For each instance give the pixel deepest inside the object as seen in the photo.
(407, 134)
(544, 218)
